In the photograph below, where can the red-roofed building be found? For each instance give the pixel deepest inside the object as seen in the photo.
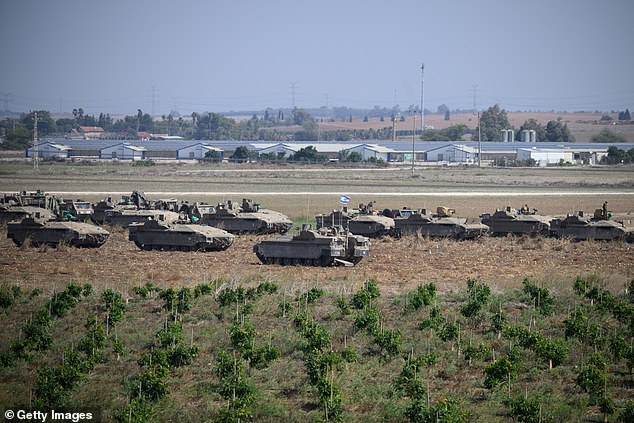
(91, 132)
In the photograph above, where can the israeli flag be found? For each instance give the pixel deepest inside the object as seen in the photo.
(344, 199)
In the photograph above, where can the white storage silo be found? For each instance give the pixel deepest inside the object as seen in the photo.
(533, 135)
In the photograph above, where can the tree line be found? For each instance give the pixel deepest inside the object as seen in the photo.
(299, 125)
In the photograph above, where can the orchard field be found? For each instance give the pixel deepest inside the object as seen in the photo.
(268, 351)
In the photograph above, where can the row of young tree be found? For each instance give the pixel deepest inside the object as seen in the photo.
(527, 354)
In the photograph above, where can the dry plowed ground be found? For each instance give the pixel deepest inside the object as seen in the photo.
(398, 265)
(303, 191)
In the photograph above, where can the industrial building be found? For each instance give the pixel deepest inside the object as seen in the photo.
(123, 151)
(51, 150)
(374, 151)
(465, 153)
(198, 151)
(456, 153)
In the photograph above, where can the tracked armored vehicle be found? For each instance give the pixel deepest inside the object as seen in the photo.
(516, 222)
(168, 236)
(249, 218)
(440, 225)
(40, 231)
(13, 213)
(17, 205)
(77, 210)
(579, 228)
(363, 221)
(324, 247)
(134, 201)
(32, 198)
(119, 217)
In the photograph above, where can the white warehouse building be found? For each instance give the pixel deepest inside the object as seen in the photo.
(50, 150)
(459, 153)
(369, 151)
(123, 151)
(545, 156)
(197, 151)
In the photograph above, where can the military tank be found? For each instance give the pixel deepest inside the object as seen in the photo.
(579, 227)
(167, 236)
(41, 231)
(362, 221)
(440, 225)
(516, 222)
(125, 217)
(323, 247)
(249, 218)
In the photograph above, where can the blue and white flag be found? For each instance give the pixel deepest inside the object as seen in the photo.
(344, 199)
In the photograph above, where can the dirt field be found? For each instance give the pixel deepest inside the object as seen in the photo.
(582, 124)
(303, 192)
(399, 265)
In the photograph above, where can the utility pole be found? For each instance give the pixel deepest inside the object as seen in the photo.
(393, 127)
(413, 139)
(422, 100)
(36, 153)
(209, 116)
(475, 87)
(479, 142)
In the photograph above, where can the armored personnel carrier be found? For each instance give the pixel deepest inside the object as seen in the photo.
(32, 198)
(76, 210)
(580, 227)
(323, 247)
(195, 211)
(440, 225)
(40, 231)
(517, 222)
(124, 217)
(249, 218)
(163, 235)
(362, 221)
(13, 213)
(134, 201)
(22, 204)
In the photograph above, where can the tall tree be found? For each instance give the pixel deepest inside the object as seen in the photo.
(45, 123)
(300, 116)
(214, 126)
(492, 121)
(558, 132)
(609, 137)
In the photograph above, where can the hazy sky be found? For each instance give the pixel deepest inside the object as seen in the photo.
(106, 56)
